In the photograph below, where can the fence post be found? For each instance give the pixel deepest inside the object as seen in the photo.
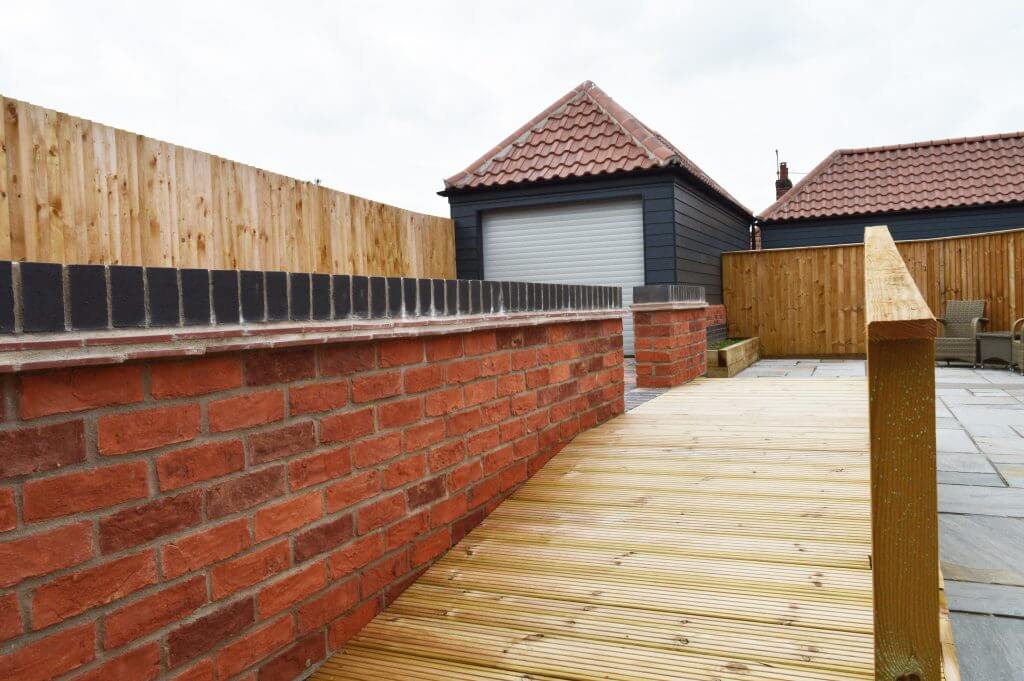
(904, 514)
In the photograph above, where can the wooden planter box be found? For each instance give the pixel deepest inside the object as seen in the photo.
(728, 362)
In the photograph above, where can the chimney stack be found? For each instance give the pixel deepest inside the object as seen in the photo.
(783, 184)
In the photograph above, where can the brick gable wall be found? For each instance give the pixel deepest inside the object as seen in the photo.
(245, 514)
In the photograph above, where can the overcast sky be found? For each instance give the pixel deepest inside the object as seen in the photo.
(385, 100)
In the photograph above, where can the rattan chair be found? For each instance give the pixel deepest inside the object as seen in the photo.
(958, 339)
(1016, 346)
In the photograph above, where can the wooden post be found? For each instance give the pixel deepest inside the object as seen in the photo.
(904, 513)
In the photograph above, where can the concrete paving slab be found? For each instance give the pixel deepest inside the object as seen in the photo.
(964, 463)
(1002, 502)
(989, 648)
(977, 548)
(948, 440)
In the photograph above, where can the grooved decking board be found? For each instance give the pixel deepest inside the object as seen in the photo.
(720, 531)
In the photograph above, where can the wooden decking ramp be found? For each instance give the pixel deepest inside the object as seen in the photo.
(718, 532)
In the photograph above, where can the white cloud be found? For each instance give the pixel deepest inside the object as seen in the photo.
(387, 100)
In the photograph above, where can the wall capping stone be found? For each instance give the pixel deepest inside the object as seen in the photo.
(54, 298)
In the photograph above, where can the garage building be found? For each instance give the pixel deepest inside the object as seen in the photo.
(586, 193)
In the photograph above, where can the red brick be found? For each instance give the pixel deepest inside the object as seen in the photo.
(195, 638)
(440, 348)
(463, 526)
(511, 384)
(463, 371)
(525, 403)
(496, 364)
(253, 647)
(512, 430)
(423, 435)
(382, 573)
(483, 441)
(480, 343)
(140, 664)
(282, 442)
(445, 402)
(376, 386)
(348, 358)
(400, 412)
(196, 464)
(463, 422)
(425, 492)
(317, 468)
(477, 393)
(484, 491)
(444, 512)
(296, 660)
(323, 537)
(201, 671)
(352, 490)
(145, 522)
(10, 617)
(309, 399)
(190, 377)
(138, 431)
(204, 548)
(85, 490)
(327, 606)
(90, 588)
(348, 426)
(342, 630)
(380, 512)
(348, 559)
(278, 519)
(430, 547)
(397, 588)
(512, 476)
(403, 532)
(286, 592)
(153, 612)
(44, 552)
(47, 658)
(446, 455)
(420, 379)
(401, 351)
(377, 450)
(71, 390)
(252, 568)
(8, 511)
(35, 450)
(246, 411)
(404, 471)
(246, 491)
(523, 359)
(279, 366)
(465, 475)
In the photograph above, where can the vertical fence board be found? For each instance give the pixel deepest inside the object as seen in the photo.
(810, 301)
(75, 191)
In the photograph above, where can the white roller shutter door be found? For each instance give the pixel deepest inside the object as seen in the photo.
(600, 242)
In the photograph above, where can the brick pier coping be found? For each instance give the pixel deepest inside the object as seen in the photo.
(61, 349)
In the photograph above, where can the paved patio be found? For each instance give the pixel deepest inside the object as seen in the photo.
(980, 432)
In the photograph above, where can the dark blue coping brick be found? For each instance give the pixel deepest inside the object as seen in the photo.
(475, 296)
(451, 297)
(425, 287)
(437, 288)
(409, 295)
(162, 291)
(6, 296)
(378, 297)
(485, 296)
(42, 296)
(342, 296)
(360, 296)
(87, 293)
(321, 296)
(506, 295)
(127, 297)
(195, 296)
(463, 304)
(225, 296)
(394, 286)
(298, 295)
(251, 296)
(276, 286)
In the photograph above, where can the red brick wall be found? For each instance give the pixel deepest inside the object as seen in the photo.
(243, 515)
(671, 346)
(716, 315)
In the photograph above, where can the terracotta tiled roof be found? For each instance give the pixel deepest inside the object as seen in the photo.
(585, 133)
(968, 171)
